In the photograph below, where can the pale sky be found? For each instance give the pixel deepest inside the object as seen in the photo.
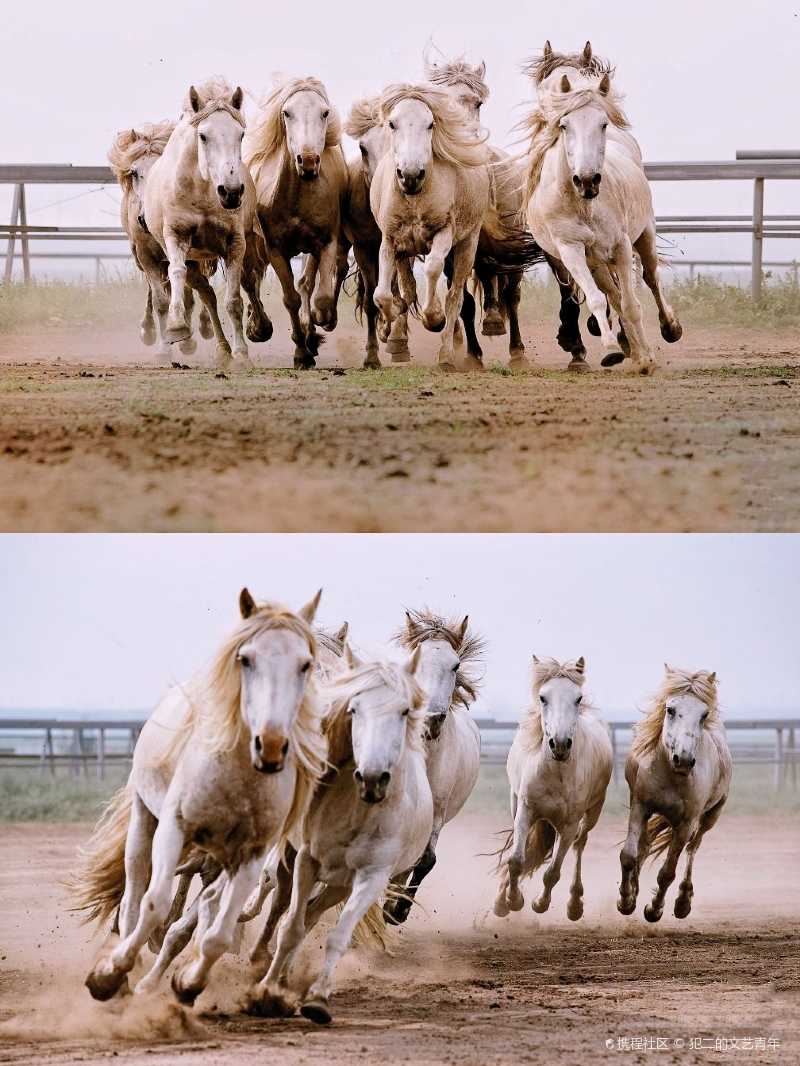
(106, 622)
(702, 79)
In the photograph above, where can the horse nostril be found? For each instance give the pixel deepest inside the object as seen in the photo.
(300, 158)
(358, 775)
(385, 778)
(399, 172)
(675, 760)
(241, 189)
(257, 743)
(569, 742)
(221, 190)
(692, 762)
(597, 179)
(285, 747)
(421, 174)
(552, 744)
(576, 181)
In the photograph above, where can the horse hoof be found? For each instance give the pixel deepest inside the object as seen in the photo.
(372, 362)
(259, 334)
(472, 362)
(185, 994)
(592, 326)
(612, 359)
(269, 1005)
(683, 907)
(575, 910)
(646, 367)
(626, 907)
(103, 986)
(205, 328)
(434, 323)
(304, 362)
(652, 914)
(188, 347)
(317, 1010)
(540, 906)
(147, 335)
(398, 346)
(578, 366)
(493, 326)
(501, 907)
(519, 361)
(174, 334)
(670, 331)
(446, 368)
(516, 903)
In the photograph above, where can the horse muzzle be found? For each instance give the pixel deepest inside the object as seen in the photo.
(682, 764)
(308, 164)
(372, 787)
(589, 187)
(560, 750)
(411, 181)
(230, 196)
(268, 752)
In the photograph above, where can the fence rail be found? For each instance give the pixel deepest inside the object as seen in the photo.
(750, 165)
(93, 744)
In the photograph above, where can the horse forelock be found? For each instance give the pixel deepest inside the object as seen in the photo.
(131, 145)
(701, 684)
(453, 140)
(426, 625)
(540, 67)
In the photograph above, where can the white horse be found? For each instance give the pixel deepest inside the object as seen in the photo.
(200, 205)
(368, 823)
(448, 651)
(679, 773)
(559, 768)
(226, 765)
(589, 206)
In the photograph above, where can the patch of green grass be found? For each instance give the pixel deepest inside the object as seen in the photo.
(709, 302)
(26, 795)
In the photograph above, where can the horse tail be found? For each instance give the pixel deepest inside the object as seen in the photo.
(659, 835)
(361, 296)
(371, 931)
(505, 246)
(538, 847)
(99, 882)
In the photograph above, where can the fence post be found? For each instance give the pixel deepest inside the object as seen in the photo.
(691, 273)
(101, 753)
(778, 758)
(758, 238)
(12, 237)
(23, 240)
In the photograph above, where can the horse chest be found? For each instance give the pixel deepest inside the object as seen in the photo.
(414, 236)
(210, 236)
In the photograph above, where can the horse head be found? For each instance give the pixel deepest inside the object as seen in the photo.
(305, 118)
(583, 135)
(560, 695)
(220, 130)
(685, 713)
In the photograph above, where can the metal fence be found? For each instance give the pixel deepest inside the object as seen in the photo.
(751, 166)
(85, 746)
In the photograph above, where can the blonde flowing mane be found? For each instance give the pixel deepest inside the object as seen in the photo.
(214, 94)
(702, 685)
(267, 133)
(132, 144)
(456, 72)
(429, 626)
(364, 116)
(530, 729)
(542, 124)
(336, 725)
(452, 141)
(540, 67)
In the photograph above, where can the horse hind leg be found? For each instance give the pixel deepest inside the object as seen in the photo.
(398, 912)
(147, 327)
(671, 329)
(575, 904)
(666, 875)
(188, 346)
(569, 314)
(511, 293)
(493, 324)
(683, 901)
(552, 874)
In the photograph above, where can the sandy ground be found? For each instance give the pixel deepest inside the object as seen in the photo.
(462, 986)
(94, 437)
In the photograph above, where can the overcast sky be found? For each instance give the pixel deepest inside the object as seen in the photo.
(107, 622)
(702, 79)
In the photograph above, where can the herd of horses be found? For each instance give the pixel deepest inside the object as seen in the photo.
(293, 772)
(426, 186)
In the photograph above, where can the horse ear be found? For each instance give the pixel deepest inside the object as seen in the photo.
(194, 99)
(480, 70)
(351, 658)
(462, 631)
(668, 669)
(341, 632)
(411, 625)
(712, 677)
(605, 85)
(134, 135)
(586, 56)
(308, 613)
(580, 664)
(565, 85)
(547, 51)
(413, 662)
(247, 605)
(236, 99)
(536, 660)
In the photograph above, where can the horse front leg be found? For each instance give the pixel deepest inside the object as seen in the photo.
(303, 358)
(208, 297)
(573, 256)
(368, 270)
(628, 307)
(433, 317)
(138, 922)
(368, 887)
(492, 324)
(569, 313)
(463, 260)
(512, 286)
(177, 249)
(147, 327)
(631, 857)
(387, 264)
(234, 304)
(683, 901)
(509, 897)
(259, 324)
(552, 874)
(666, 875)
(575, 904)
(159, 296)
(323, 309)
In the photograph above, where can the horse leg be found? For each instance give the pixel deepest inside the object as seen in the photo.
(177, 937)
(147, 327)
(303, 358)
(205, 290)
(189, 982)
(630, 310)
(175, 911)
(633, 854)
(368, 886)
(387, 265)
(234, 304)
(569, 331)
(109, 974)
(683, 903)
(575, 905)
(367, 268)
(323, 311)
(552, 874)
(281, 896)
(573, 256)
(474, 357)
(268, 996)
(433, 317)
(492, 324)
(666, 875)
(188, 346)
(463, 260)
(402, 906)
(512, 286)
(259, 324)
(177, 329)
(509, 896)
(159, 294)
(671, 329)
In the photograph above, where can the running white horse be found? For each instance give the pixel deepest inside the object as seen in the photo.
(131, 156)
(200, 205)
(679, 773)
(226, 765)
(368, 823)
(589, 206)
(294, 153)
(449, 653)
(559, 768)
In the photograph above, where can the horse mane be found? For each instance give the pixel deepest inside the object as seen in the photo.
(542, 124)
(471, 650)
(531, 730)
(364, 115)
(702, 684)
(336, 725)
(456, 71)
(452, 140)
(131, 144)
(266, 135)
(539, 67)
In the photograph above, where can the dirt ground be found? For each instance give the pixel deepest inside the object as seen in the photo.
(94, 437)
(462, 986)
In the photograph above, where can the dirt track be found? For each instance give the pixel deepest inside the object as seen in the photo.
(462, 987)
(94, 438)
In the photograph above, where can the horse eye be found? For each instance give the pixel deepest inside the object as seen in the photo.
(405, 712)
(543, 700)
(671, 712)
(456, 668)
(363, 150)
(325, 114)
(578, 699)
(703, 716)
(244, 661)
(305, 667)
(392, 126)
(203, 138)
(431, 126)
